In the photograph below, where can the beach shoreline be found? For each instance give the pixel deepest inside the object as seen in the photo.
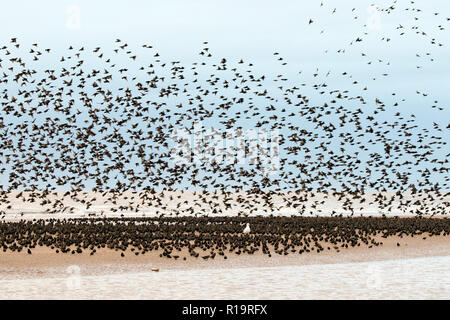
(184, 258)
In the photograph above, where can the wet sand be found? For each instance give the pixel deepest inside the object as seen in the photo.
(414, 267)
(381, 272)
(410, 247)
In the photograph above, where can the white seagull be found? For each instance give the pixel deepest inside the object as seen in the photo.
(247, 229)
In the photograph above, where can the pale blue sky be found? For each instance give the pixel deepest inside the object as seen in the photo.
(253, 30)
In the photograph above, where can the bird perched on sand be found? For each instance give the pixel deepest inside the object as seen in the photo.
(247, 229)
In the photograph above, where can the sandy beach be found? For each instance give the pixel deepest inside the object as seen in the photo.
(45, 274)
(418, 269)
(409, 247)
(390, 270)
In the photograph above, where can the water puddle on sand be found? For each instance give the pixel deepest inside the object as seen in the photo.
(420, 278)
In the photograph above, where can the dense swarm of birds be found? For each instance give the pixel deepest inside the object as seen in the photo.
(83, 122)
(213, 237)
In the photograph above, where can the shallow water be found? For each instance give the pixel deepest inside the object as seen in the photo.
(422, 278)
